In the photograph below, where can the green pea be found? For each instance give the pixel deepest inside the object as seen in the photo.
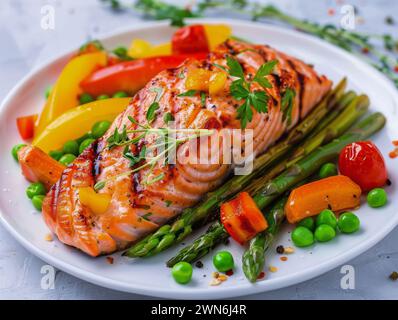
(56, 154)
(72, 147)
(99, 129)
(85, 144)
(328, 170)
(302, 237)
(348, 222)
(66, 159)
(307, 223)
(327, 217)
(85, 98)
(377, 198)
(35, 189)
(120, 94)
(48, 91)
(223, 261)
(15, 149)
(37, 202)
(103, 97)
(182, 272)
(84, 137)
(324, 233)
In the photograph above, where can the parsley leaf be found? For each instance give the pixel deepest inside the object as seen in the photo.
(235, 69)
(150, 114)
(259, 101)
(240, 89)
(263, 71)
(287, 104)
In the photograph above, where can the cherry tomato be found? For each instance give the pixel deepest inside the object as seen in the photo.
(364, 164)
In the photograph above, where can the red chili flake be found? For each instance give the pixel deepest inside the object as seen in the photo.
(331, 12)
(396, 68)
(394, 276)
(283, 258)
(110, 260)
(393, 154)
(365, 50)
(261, 275)
(229, 273)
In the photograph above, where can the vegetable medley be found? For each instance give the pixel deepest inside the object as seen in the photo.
(314, 177)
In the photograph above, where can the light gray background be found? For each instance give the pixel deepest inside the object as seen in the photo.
(24, 45)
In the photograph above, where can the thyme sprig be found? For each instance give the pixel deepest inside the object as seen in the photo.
(363, 45)
(167, 141)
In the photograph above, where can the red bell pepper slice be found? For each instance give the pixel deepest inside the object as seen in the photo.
(190, 39)
(26, 126)
(130, 76)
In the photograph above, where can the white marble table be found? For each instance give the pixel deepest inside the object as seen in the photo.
(24, 45)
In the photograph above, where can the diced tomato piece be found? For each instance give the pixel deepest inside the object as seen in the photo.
(26, 126)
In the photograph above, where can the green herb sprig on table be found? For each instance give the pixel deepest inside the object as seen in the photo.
(362, 45)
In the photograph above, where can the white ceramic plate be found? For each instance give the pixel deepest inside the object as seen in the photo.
(150, 276)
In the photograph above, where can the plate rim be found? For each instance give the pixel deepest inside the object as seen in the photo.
(201, 293)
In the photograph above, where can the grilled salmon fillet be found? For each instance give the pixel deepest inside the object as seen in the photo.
(137, 208)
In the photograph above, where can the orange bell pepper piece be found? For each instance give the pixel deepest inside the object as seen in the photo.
(336, 193)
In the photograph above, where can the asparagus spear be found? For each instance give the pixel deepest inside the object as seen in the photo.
(168, 235)
(254, 257)
(356, 109)
(278, 186)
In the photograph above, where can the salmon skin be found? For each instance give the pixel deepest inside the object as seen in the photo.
(137, 208)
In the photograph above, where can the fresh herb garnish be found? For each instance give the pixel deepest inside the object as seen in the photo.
(287, 104)
(134, 159)
(146, 216)
(121, 53)
(168, 117)
(351, 41)
(203, 98)
(99, 185)
(241, 89)
(189, 93)
(118, 138)
(150, 114)
(168, 203)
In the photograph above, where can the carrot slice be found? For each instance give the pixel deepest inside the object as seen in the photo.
(336, 193)
(37, 166)
(242, 218)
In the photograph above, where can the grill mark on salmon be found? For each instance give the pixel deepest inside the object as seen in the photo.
(136, 209)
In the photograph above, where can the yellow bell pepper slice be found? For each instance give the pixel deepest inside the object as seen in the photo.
(216, 34)
(66, 90)
(97, 202)
(140, 48)
(78, 121)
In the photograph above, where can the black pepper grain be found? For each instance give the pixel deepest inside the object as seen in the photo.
(280, 249)
(388, 182)
(199, 264)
